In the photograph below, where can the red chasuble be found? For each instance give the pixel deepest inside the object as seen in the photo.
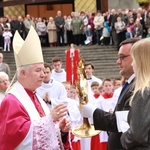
(14, 123)
(36, 102)
(71, 65)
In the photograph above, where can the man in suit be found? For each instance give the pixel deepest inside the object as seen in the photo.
(106, 121)
(21, 28)
(113, 19)
(51, 91)
(59, 22)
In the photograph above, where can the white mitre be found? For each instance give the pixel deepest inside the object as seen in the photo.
(29, 51)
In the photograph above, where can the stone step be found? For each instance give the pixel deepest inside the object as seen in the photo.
(103, 58)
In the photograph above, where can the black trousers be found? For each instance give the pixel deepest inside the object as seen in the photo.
(77, 39)
(60, 38)
(120, 37)
(69, 37)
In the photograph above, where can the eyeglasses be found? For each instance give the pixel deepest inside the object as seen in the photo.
(6, 80)
(122, 57)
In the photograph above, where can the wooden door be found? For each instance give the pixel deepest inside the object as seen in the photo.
(48, 10)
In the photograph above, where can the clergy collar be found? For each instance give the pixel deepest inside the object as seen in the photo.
(88, 78)
(58, 71)
(50, 81)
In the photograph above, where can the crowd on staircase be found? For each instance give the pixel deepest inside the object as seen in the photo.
(84, 28)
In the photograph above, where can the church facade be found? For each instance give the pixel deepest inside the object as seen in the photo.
(38, 8)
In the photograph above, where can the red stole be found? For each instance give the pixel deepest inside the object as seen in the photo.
(71, 66)
(35, 102)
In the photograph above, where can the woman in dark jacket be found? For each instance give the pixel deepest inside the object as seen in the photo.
(137, 137)
(138, 29)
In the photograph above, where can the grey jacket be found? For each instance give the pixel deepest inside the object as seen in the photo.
(137, 137)
(5, 67)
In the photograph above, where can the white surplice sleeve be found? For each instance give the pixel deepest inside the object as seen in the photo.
(43, 135)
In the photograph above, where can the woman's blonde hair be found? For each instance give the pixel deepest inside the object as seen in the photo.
(140, 53)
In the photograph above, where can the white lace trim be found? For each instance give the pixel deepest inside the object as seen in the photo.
(45, 136)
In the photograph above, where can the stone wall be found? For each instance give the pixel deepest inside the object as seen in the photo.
(123, 4)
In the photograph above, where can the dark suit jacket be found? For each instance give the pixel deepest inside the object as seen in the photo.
(107, 122)
(21, 29)
(59, 21)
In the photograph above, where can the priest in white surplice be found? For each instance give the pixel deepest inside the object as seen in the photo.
(58, 73)
(51, 91)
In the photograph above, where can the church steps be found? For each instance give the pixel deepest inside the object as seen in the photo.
(103, 58)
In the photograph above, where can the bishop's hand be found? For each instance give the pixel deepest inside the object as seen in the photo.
(58, 112)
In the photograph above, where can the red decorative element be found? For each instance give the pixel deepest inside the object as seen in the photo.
(106, 95)
(36, 102)
(72, 58)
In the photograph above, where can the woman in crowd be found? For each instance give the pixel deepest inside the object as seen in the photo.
(77, 28)
(91, 23)
(131, 25)
(98, 25)
(120, 30)
(138, 29)
(41, 30)
(69, 29)
(51, 27)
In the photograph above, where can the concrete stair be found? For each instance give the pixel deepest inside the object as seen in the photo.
(103, 58)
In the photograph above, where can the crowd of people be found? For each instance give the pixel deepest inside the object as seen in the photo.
(84, 28)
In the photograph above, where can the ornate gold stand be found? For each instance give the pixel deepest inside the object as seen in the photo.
(84, 130)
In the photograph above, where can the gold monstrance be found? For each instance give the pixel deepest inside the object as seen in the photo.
(84, 130)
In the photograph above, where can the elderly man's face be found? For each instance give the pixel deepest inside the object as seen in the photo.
(34, 76)
(4, 83)
(59, 13)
